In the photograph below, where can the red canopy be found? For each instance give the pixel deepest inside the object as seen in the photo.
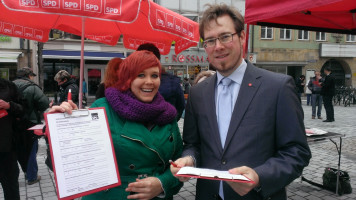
(337, 16)
(139, 21)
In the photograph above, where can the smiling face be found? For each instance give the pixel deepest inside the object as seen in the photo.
(145, 85)
(224, 57)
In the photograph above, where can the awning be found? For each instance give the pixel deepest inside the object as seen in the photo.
(75, 55)
(9, 56)
(334, 16)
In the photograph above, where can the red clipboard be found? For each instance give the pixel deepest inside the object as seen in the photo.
(215, 177)
(3, 113)
(91, 191)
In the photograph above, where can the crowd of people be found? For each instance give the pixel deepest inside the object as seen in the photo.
(227, 124)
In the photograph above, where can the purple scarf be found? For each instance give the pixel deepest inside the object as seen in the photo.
(126, 105)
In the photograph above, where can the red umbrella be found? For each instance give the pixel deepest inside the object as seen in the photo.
(139, 21)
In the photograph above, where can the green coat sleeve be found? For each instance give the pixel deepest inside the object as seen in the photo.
(171, 184)
(40, 99)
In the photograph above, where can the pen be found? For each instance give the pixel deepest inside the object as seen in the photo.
(172, 163)
(69, 95)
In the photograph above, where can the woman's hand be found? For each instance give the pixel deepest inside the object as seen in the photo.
(182, 162)
(64, 107)
(146, 188)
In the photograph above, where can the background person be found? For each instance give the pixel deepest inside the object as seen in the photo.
(309, 94)
(10, 108)
(300, 86)
(85, 90)
(144, 131)
(203, 75)
(317, 100)
(66, 82)
(36, 103)
(186, 85)
(265, 140)
(328, 91)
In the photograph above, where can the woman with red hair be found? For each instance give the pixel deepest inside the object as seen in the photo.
(144, 131)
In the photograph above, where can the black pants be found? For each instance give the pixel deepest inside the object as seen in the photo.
(329, 108)
(9, 175)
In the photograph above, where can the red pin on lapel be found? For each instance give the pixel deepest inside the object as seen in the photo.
(250, 84)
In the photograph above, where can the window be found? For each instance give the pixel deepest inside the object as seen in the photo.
(350, 38)
(285, 34)
(266, 32)
(303, 35)
(320, 36)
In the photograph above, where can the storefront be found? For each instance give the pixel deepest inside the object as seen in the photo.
(187, 64)
(10, 53)
(94, 68)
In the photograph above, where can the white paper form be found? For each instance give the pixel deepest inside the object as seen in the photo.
(202, 172)
(82, 151)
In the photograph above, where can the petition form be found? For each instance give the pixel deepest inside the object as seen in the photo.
(82, 152)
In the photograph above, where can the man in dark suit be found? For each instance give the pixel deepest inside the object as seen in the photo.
(242, 119)
(328, 91)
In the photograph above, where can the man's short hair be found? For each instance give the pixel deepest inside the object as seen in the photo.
(150, 47)
(327, 68)
(25, 72)
(213, 12)
(61, 75)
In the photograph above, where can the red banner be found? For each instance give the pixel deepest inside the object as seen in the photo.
(23, 31)
(104, 9)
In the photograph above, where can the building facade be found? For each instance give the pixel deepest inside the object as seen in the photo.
(15, 53)
(297, 52)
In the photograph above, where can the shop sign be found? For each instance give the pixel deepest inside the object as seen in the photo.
(188, 59)
(5, 38)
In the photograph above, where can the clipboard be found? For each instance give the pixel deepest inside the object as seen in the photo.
(210, 174)
(78, 144)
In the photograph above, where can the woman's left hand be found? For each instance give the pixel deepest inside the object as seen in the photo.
(146, 188)
(64, 107)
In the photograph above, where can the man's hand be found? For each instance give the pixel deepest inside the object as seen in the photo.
(182, 162)
(64, 107)
(146, 188)
(244, 188)
(4, 105)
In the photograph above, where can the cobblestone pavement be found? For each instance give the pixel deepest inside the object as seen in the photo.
(324, 155)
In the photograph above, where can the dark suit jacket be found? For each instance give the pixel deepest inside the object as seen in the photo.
(172, 92)
(328, 86)
(266, 133)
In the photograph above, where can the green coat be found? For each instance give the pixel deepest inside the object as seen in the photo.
(36, 101)
(141, 152)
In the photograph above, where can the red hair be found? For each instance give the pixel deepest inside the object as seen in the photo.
(110, 78)
(133, 65)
